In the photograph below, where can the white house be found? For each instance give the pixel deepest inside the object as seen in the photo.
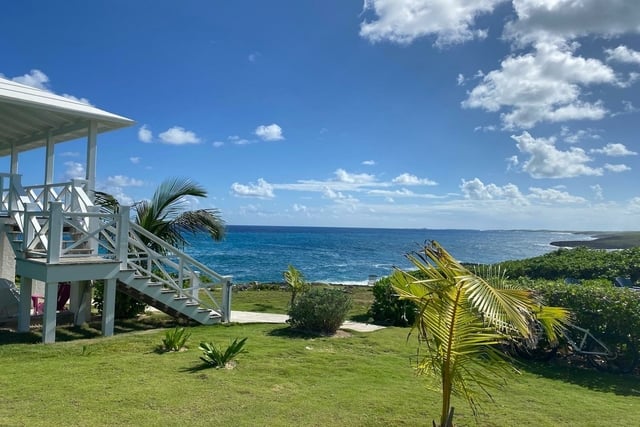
(53, 233)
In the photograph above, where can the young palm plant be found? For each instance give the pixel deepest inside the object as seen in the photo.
(296, 282)
(463, 320)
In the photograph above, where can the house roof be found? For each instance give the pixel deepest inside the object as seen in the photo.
(27, 114)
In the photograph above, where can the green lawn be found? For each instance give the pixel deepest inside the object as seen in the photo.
(277, 301)
(285, 379)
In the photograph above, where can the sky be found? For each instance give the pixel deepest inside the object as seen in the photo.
(468, 114)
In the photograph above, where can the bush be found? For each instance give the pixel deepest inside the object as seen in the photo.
(320, 310)
(611, 314)
(175, 339)
(214, 357)
(388, 309)
(578, 263)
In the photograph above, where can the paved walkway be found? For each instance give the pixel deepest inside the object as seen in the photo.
(253, 317)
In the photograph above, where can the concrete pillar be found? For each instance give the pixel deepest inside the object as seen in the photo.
(50, 314)
(108, 307)
(24, 307)
(80, 301)
(7, 258)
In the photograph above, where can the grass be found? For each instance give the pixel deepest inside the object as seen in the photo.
(277, 301)
(285, 379)
(365, 379)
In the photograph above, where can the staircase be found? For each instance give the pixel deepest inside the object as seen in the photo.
(74, 234)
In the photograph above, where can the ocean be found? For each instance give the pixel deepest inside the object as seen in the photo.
(352, 255)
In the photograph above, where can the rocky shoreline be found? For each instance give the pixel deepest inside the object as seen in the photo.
(612, 240)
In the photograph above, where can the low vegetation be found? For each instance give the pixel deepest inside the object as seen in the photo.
(217, 357)
(284, 379)
(175, 339)
(320, 310)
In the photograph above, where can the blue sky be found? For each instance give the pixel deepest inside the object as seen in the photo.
(483, 114)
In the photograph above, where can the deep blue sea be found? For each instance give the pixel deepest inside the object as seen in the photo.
(351, 255)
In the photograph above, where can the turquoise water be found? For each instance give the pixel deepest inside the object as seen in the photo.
(351, 255)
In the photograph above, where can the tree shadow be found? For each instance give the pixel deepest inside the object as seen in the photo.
(624, 385)
(289, 332)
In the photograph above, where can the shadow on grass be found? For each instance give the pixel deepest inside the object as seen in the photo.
(624, 385)
(288, 332)
(264, 308)
(66, 331)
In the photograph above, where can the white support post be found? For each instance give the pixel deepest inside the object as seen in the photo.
(108, 307)
(55, 232)
(24, 307)
(91, 159)
(226, 300)
(80, 301)
(50, 314)
(94, 225)
(48, 169)
(14, 159)
(122, 244)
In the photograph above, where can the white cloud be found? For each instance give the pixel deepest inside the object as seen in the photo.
(34, 78)
(617, 168)
(568, 19)
(39, 80)
(271, 132)
(546, 161)
(74, 170)
(623, 54)
(178, 136)
(577, 136)
(261, 190)
(124, 181)
(477, 190)
(542, 86)
(299, 208)
(402, 21)
(144, 134)
(369, 163)
(408, 179)
(69, 154)
(351, 178)
(598, 193)
(134, 160)
(235, 139)
(217, 144)
(552, 195)
(614, 150)
(253, 56)
(460, 80)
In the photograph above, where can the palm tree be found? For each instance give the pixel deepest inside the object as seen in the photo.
(165, 215)
(464, 318)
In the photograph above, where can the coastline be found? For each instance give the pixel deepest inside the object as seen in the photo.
(603, 240)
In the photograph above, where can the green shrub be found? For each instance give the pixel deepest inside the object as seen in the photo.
(388, 309)
(175, 339)
(611, 314)
(320, 310)
(578, 263)
(214, 357)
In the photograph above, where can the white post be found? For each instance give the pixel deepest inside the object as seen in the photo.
(24, 307)
(91, 158)
(226, 300)
(122, 243)
(80, 301)
(48, 170)
(55, 232)
(14, 159)
(49, 318)
(108, 307)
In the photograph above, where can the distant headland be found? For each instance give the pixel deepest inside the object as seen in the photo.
(602, 240)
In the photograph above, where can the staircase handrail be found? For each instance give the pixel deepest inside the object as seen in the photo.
(188, 270)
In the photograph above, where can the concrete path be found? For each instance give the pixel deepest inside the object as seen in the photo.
(253, 317)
